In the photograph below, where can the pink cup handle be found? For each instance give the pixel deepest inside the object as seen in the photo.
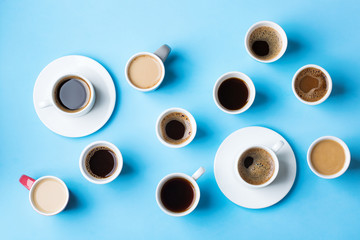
(26, 181)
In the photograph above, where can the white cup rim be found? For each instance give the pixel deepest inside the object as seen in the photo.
(328, 81)
(273, 156)
(278, 28)
(87, 175)
(162, 71)
(192, 122)
(347, 157)
(249, 83)
(174, 175)
(34, 186)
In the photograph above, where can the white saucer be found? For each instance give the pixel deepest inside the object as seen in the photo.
(104, 89)
(237, 192)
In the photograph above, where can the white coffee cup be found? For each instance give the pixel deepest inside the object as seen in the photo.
(86, 151)
(274, 26)
(159, 132)
(52, 102)
(160, 55)
(31, 184)
(249, 84)
(347, 157)
(328, 83)
(192, 180)
(272, 151)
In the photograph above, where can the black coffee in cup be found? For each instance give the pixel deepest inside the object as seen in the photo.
(265, 43)
(176, 128)
(177, 194)
(233, 93)
(101, 162)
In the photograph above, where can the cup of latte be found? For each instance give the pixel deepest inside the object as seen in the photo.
(257, 166)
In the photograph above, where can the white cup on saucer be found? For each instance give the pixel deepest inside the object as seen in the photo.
(53, 100)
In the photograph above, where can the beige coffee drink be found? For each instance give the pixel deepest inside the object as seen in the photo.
(49, 196)
(145, 71)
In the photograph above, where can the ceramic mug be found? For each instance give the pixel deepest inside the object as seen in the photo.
(52, 101)
(195, 186)
(160, 56)
(41, 192)
(272, 151)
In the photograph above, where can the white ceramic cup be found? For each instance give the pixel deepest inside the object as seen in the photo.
(82, 162)
(249, 84)
(328, 83)
(192, 180)
(274, 26)
(51, 100)
(347, 157)
(160, 55)
(31, 184)
(272, 151)
(159, 133)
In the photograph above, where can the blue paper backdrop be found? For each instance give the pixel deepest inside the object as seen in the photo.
(207, 41)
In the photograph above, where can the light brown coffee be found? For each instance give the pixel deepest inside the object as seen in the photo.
(145, 71)
(49, 195)
(176, 128)
(265, 43)
(256, 166)
(328, 157)
(311, 84)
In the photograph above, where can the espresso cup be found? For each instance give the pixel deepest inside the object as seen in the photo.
(178, 194)
(325, 157)
(268, 150)
(247, 88)
(145, 71)
(278, 31)
(54, 99)
(175, 127)
(100, 162)
(327, 79)
(48, 195)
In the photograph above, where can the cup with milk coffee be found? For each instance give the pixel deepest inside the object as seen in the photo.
(145, 71)
(48, 195)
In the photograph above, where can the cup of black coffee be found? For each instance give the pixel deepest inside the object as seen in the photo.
(178, 194)
(257, 166)
(266, 41)
(71, 94)
(175, 127)
(101, 162)
(234, 92)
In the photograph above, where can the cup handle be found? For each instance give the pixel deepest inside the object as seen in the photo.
(26, 181)
(277, 146)
(163, 52)
(45, 104)
(198, 173)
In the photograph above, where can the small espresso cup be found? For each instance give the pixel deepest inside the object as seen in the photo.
(165, 201)
(95, 159)
(270, 150)
(48, 195)
(54, 101)
(138, 68)
(328, 84)
(250, 89)
(184, 119)
(347, 157)
(281, 33)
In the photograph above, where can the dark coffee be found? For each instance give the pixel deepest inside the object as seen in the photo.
(233, 93)
(72, 94)
(176, 128)
(101, 162)
(265, 43)
(311, 84)
(256, 166)
(177, 195)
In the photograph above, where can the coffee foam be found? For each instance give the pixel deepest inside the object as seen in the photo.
(315, 94)
(181, 117)
(261, 169)
(269, 35)
(91, 153)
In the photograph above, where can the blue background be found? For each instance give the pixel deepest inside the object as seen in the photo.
(207, 41)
